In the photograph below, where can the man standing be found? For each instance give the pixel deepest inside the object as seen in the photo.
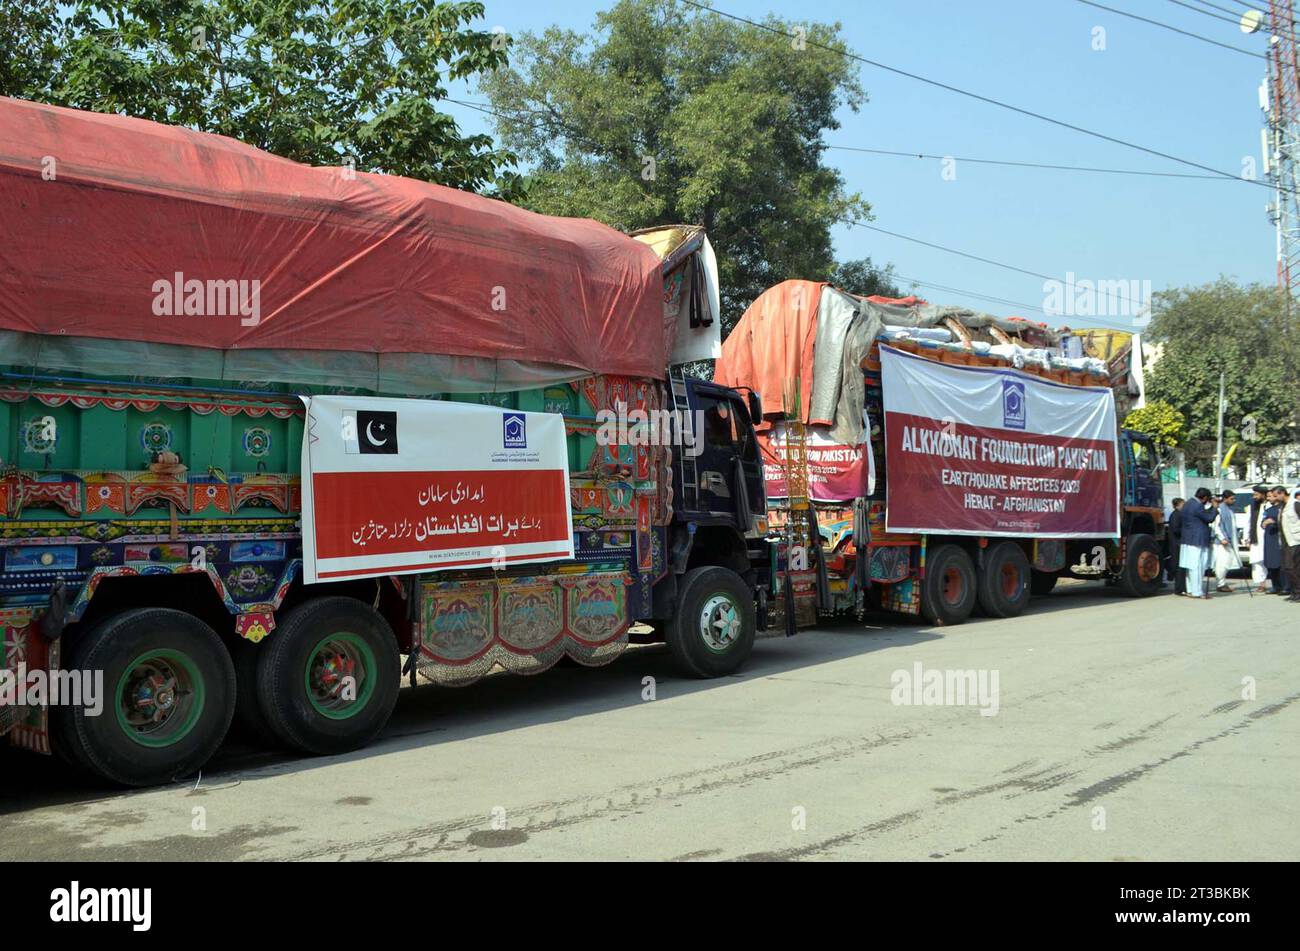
(1175, 542)
(1272, 539)
(1290, 534)
(1194, 554)
(1225, 541)
(1255, 536)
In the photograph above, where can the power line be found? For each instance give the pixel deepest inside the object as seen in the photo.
(481, 107)
(940, 247)
(1234, 16)
(989, 100)
(848, 221)
(1009, 162)
(968, 293)
(966, 254)
(1234, 19)
(1096, 322)
(1248, 6)
(1166, 26)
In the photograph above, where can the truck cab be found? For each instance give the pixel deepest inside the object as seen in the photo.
(719, 473)
(718, 555)
(1140, 460)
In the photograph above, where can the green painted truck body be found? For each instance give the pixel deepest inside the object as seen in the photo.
(121, 497)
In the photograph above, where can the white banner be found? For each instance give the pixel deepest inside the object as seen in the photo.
(836, 472)
(992, 451)
(392, 486)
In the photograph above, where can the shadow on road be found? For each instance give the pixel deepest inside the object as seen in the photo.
(428, 715)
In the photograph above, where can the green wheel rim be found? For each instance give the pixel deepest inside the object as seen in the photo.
(720, 622)
(160, 698)
(335, 658)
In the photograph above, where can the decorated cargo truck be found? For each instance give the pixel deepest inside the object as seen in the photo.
(948, 461)
(265, 429)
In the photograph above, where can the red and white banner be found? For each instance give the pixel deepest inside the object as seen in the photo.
(988, 451)
(836, 472)
(394, 486)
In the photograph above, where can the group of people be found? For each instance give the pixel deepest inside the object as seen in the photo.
(1203, 537)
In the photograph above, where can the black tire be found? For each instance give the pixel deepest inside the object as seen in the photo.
(708, 597)
(181, 678)
(1041, 583)
(948, 590)
(64, 742)
(1003, 586)
(1143, 572)
(250, 722)
(325, 721)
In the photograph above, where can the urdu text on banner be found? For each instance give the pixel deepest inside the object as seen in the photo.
(394, 486)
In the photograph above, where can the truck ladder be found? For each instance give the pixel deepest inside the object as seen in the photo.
(690, 488)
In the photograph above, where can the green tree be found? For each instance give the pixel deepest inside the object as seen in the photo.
(1244, 333)
(1160, 420)
(671, 115)
(865, 279)
(316, 81)
(30, 32)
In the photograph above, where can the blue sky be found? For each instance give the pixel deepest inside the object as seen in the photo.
(1148, 86)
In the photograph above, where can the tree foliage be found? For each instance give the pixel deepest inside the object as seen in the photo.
(1242, 332)
(670, 115)
(316, 81)
(1160, 420)
(865, 279)
(30, 35)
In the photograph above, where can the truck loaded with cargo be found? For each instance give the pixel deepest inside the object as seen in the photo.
(943, 461)
(266, 428)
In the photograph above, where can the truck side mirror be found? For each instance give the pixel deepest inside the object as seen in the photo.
(755, 407)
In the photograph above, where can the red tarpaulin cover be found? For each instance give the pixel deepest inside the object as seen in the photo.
(96, 209)
(772, 346)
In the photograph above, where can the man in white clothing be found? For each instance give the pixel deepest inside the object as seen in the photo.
(1225, 541)
(1258, 503)
(1289, 530)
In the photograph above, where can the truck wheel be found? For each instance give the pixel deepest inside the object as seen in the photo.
(64, 742)
(948, 590)
(1003, 587)
(249, 719)
(1141, 574)
(169, 694)
(327, 679)
(712, 631)
(1042, 582)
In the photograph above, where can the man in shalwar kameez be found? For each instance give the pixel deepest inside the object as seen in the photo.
(1259, 502)
(1225, 542)
(1194, 555)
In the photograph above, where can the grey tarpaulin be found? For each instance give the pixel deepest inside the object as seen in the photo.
(389, 373)
(836, 311)
(856, 339)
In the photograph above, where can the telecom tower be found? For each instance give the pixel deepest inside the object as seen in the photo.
(1280, 100)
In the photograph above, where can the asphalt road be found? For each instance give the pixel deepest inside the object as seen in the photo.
(1124, 730)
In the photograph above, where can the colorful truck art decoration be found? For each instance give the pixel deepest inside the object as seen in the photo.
(204, 515)
(523, 624)
(152, 484)
(24, 648)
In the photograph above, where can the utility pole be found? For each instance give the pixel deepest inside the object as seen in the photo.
(1280, 101)
(1218, 445)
